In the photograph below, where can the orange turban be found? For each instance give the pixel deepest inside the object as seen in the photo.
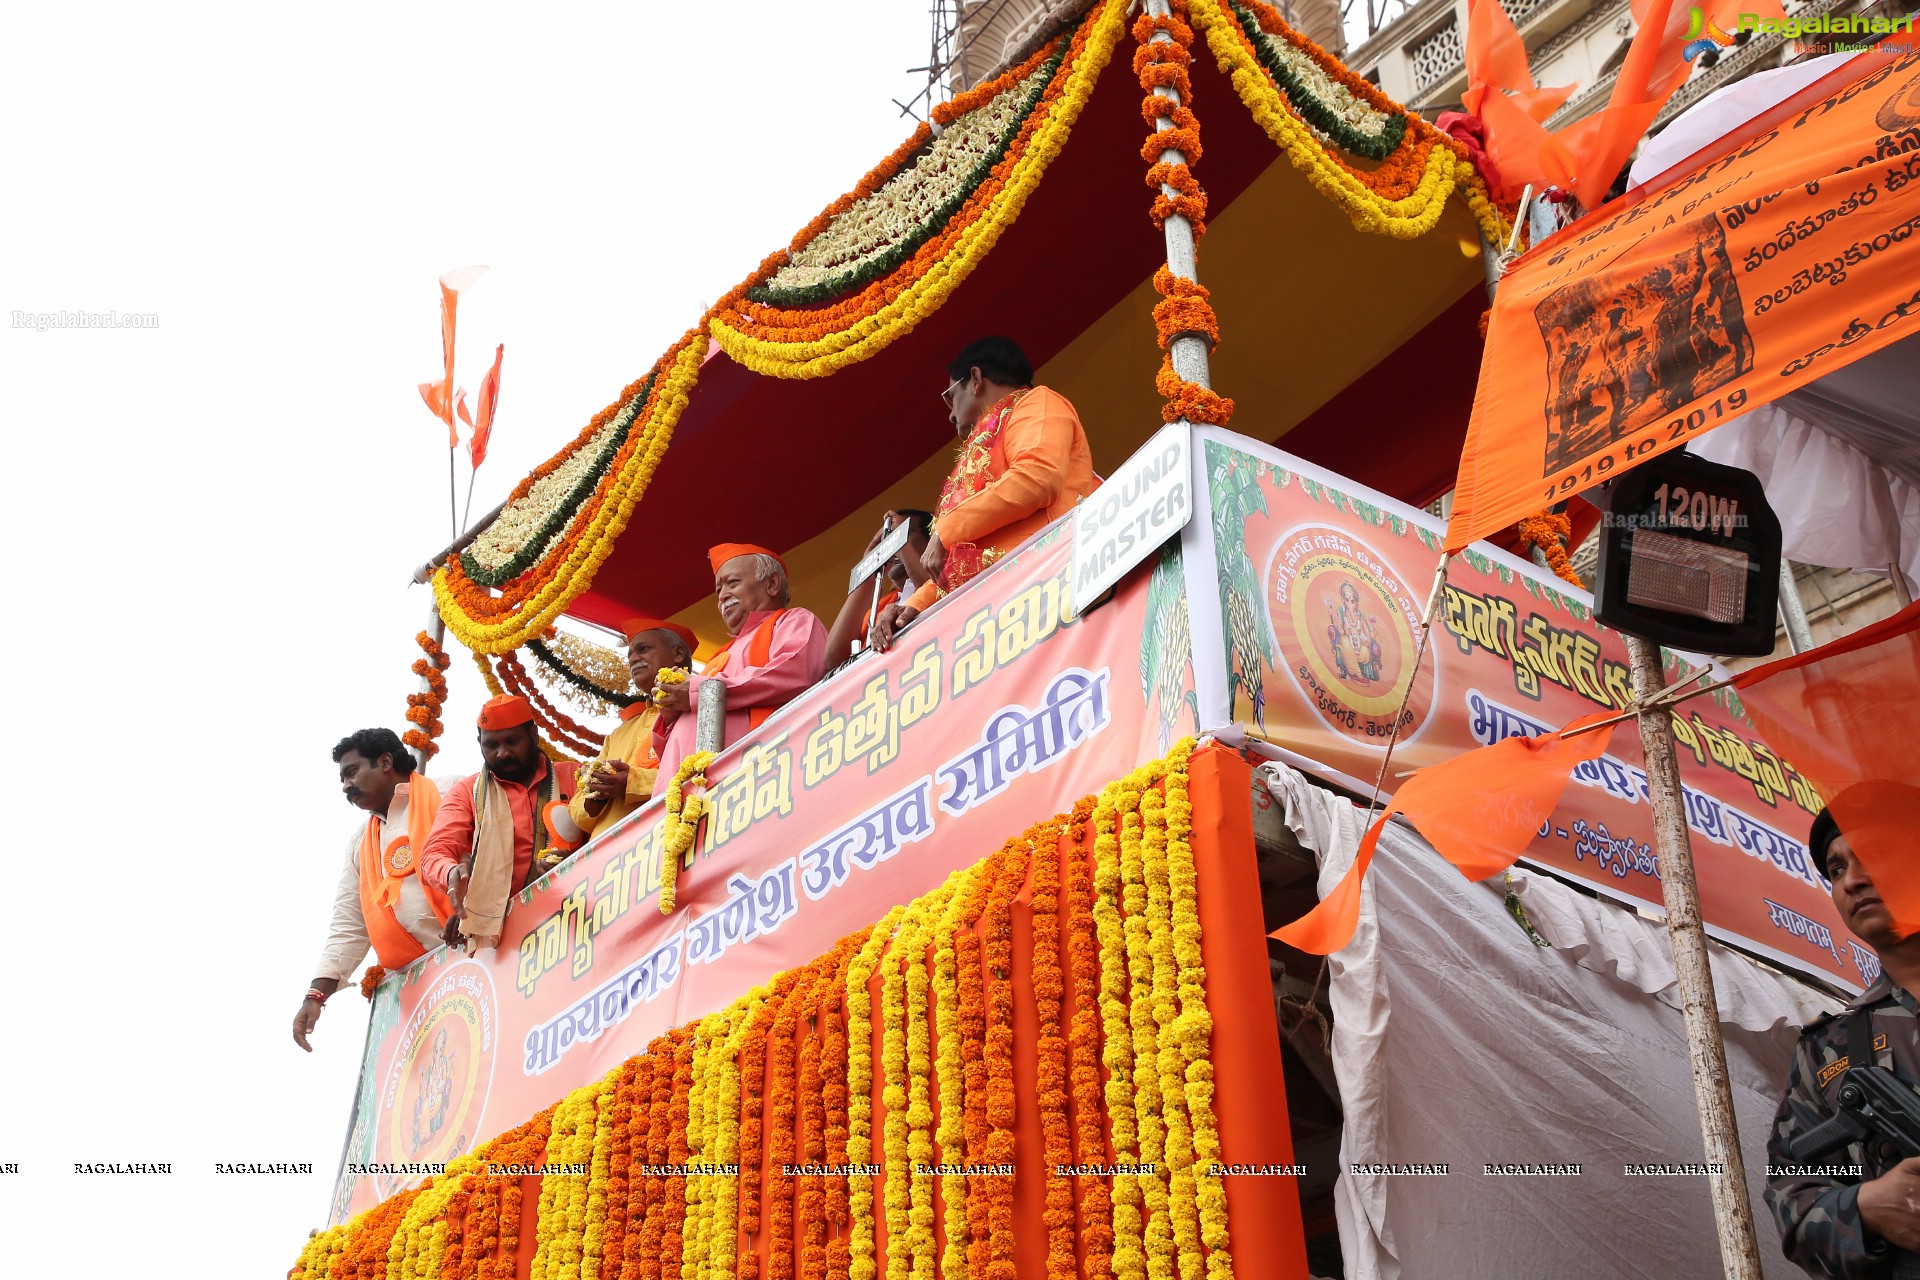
(726, 551)
(505, 711)
(634, 626)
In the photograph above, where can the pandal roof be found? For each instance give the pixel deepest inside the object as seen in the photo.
(1024, 215)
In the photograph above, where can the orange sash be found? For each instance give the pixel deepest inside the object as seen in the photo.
(382, 870)
(759, 649)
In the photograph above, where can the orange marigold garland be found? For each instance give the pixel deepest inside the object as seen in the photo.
(1162, 65)
(996, 961)
(973, 1059)
(423, 708)
(1083, 1049)
(1549, 531)
(782, 1106)
(557, 724)
(1049, 992)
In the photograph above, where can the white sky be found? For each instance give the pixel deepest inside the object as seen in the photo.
(218, 516)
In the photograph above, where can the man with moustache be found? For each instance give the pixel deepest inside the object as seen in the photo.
(776, 654)
(495, 833)
(380, 902)
(622, 777)
(1023, 462)
(1836, 1222)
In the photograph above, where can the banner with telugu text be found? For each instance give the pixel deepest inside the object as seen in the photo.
(998, 709)
(1323, 583)
(1779, 257)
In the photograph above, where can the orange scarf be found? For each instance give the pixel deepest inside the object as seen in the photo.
(759, 649)
(383, 869)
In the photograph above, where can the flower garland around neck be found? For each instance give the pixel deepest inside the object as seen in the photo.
(423, 708)
(681, 822)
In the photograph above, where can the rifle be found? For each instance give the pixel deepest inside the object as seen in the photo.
(1873, 1103)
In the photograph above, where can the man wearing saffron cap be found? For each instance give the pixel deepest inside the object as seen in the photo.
(777, 653)
(495, 831)
(380, 903)
(622, 777)
(1023, 462)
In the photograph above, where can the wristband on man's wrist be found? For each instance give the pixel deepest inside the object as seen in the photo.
(316, 995)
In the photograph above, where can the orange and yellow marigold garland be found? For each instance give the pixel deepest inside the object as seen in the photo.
(1083, 1049)
(423, 708)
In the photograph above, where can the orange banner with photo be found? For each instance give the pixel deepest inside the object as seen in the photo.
(1782, 254)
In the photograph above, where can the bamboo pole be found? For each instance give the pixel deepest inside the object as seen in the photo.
(1719, 1131)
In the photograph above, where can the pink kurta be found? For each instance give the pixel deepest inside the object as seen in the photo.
(795, 662)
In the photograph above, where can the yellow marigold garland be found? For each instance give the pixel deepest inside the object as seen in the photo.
(948, 1032)
(874, 330)
(860, 1243)
(951, 1133)
(1442, 169)
(681, 821)
(1129, 1249)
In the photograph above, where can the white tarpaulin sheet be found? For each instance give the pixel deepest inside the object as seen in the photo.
(1458, 1041)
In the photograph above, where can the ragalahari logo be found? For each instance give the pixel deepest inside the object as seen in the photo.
(1703, 33)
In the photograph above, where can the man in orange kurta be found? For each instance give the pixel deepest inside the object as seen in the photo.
(1023, 462)
(514, 835)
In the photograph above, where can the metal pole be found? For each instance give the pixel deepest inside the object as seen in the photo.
(1188, 351)
(437, 628)
(710, 730)
(1793, 612)
(873, 609)
(1727, 1177)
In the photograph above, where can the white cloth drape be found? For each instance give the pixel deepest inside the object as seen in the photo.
(1457, 1040)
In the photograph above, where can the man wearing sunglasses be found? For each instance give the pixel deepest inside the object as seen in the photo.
(1023, 461)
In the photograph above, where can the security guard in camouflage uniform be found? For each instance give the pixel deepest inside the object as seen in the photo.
(1852, 1219)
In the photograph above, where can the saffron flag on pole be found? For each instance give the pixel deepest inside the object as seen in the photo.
(439, 395)
(481, 425)
(1783, 253)
(1501, 93)
(1848, 715)
(1479, 810)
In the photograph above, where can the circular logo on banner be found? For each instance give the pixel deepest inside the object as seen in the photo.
(1345, 625)
(436, 1087)
(1902, 107)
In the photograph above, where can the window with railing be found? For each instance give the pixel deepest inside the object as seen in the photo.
(1437, 56)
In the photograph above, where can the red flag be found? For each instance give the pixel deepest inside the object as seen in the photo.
(482, 429)
(1480, 810)
(1848, 716)
(439, 395)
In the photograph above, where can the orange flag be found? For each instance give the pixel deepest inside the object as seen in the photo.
(1848, 715)
(1501, 92)
(481, 430)
(439, 395)
(1480, 810)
